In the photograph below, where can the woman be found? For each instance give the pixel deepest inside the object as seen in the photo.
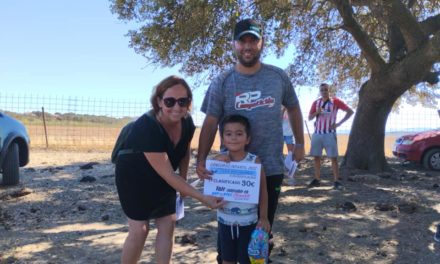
(146, 181)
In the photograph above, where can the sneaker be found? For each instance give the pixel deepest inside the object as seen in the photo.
(338, 185)
(437, 234)
(314, 183)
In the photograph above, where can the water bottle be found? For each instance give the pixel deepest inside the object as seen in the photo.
(258, 247)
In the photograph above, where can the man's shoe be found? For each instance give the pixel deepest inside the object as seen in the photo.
(314, 183)
(437, 234)
(338, 186)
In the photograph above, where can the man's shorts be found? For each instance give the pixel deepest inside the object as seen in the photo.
(324, 141)
(288, 140)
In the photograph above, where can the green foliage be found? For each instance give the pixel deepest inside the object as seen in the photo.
(197, 35)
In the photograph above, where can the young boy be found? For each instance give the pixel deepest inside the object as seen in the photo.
(236, 220)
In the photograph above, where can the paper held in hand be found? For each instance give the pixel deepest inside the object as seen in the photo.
(180, 204)
(291, 167)
(234, 181)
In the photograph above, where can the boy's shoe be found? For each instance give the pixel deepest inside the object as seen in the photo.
(437, 234)
(314, 183)
(338, 185)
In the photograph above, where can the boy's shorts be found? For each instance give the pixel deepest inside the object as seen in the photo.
(233, 242)
(324, 141)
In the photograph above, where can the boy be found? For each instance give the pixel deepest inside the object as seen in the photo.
(236, 220)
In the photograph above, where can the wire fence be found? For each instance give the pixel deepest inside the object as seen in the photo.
(89, 123)
(72, 122)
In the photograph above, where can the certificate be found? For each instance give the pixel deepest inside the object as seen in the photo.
(234, 181)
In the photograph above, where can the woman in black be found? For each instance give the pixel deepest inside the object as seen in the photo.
(157, 146)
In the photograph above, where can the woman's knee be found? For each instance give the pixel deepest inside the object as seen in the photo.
(166, 223)
(138, 229)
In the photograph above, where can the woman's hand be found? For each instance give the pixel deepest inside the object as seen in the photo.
(264, 223)
(213, 202)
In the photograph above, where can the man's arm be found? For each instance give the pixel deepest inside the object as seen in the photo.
(348, 113)
(296, 122)
(206, 139)
(313, 112)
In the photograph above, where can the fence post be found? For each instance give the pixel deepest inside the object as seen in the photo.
(45, 130)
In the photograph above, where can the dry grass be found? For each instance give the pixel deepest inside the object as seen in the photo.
(103, 138)
(342, 143)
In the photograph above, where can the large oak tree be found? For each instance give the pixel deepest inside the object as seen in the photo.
(377, 52)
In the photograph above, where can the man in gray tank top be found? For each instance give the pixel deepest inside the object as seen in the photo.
(256, 91)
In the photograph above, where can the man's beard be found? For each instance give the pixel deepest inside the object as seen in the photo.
(250, 63)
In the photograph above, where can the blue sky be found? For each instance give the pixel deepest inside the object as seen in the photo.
(73, 48)
(79, 48)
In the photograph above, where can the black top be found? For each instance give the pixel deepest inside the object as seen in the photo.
(148, 135)
(141, 189)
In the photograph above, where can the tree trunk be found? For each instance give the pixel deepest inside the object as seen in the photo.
(366, 142)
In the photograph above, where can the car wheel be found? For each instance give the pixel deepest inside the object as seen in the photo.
(431, 160)
(11, 166)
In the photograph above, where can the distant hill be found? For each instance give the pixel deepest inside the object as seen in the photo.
(36, 118)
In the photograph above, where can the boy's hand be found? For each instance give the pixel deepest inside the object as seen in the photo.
(264, 223)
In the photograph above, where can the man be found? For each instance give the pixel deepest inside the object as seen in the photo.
(256, 91)
(325, 111)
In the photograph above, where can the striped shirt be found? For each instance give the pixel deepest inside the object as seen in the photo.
(328, 115)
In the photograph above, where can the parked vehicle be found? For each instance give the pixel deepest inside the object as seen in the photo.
(14, 149)
(422, 147)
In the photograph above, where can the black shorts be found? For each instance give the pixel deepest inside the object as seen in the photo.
(233, 242)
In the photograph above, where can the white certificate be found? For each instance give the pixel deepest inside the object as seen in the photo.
(234, 181)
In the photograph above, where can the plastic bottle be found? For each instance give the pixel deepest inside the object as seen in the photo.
(258, 247)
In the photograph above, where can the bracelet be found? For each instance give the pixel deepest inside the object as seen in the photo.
(299, 145)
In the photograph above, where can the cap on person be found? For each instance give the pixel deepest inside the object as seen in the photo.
(247, 26)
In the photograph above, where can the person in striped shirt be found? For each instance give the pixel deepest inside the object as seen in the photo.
(324, 110)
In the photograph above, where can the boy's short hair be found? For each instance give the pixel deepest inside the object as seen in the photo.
(236, 119)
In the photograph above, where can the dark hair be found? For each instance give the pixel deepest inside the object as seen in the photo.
(237, 119)
(163, 86)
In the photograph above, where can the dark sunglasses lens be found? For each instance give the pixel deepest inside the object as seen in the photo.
(183, 102)
(169, 102)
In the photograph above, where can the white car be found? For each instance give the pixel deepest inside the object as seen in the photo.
(14, 149)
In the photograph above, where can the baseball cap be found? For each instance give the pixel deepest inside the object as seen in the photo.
(247, 26)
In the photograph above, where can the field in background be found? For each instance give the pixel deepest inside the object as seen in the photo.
(342, 143)
(103, 138)
(76, 123)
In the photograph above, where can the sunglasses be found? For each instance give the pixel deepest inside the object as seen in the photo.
(171, 101)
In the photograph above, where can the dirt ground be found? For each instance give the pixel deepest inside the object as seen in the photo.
(62, 213)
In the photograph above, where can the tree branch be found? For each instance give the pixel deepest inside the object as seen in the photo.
(432, 77)
(417, 66)
(431, 25)
(367, 46)
(411, 3)
(396, 43)
(410, 28)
